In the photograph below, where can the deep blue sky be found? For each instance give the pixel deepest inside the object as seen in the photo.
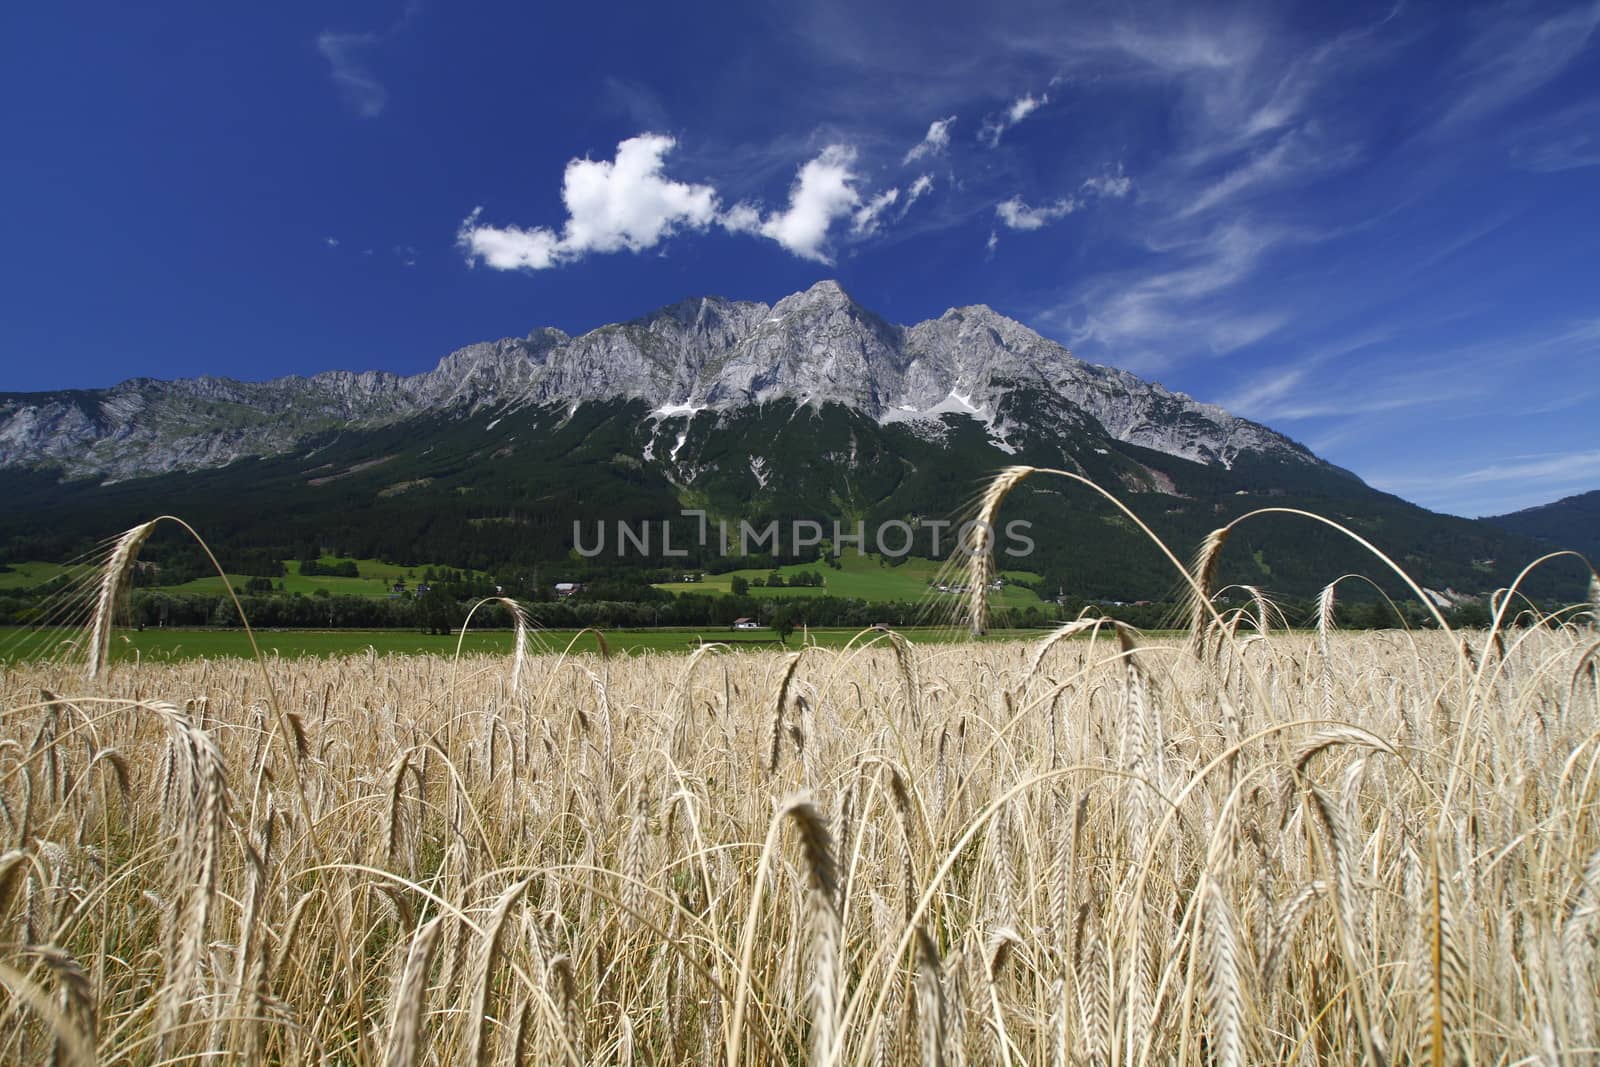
(1374, 227)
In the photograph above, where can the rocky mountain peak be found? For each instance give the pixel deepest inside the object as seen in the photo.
(825, 298)
(815, 347)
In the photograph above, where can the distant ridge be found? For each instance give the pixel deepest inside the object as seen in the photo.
(1571, 522)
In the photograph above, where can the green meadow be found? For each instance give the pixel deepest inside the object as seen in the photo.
(18, 644)
(377, 579)
(862, 577)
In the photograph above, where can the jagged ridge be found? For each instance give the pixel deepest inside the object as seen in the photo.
(814, 347)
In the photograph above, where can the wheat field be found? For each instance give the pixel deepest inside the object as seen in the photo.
(1250, 846)
(1361, 849)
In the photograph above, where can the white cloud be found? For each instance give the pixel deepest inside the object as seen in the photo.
(1115, 186)
(1020, 108)
(918, 189)
(1019, 216)
(331, 242)
(865, 221)
(742, 218)
(823, 192)
(935, 141)
(507, 247)
(993, 242)
(612, 205)
(627, 203)
(1024, 106)
(362, 92)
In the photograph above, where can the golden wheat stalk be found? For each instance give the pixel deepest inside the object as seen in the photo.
(405, 1027)
(113, 577)
(823, 911)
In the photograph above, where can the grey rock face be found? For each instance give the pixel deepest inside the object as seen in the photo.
(814, 347)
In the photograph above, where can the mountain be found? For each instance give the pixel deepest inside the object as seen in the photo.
(1571, 522)
(817, 347)
(812, 408)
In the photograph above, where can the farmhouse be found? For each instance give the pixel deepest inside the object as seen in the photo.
(743, 623)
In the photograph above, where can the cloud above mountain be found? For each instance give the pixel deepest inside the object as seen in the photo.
(624, 204)
(824, 192)
(629, 204)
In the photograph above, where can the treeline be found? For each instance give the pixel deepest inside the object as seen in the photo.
(625, 605)
(439, 612)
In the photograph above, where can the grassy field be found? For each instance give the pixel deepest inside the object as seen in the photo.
(30, 575)
(152, 645)
(377, 580)
(864, 577)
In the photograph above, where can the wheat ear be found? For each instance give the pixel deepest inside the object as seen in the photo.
(112, 580)
(823, 880)
(483, 972)
(1204, 574)
(1447, 976)
(979, 546)
(792, 665)
(1577, 949)
(74, 1045)
(930, 1002)
(1222, 994)
(409, 999)
(203, 805)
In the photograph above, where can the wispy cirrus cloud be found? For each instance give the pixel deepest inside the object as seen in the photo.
(1545, 466)
(348, 56)
(1567, 140)
(1135, 313)
(1471, 379)
(1014, 214)
(934, 142)
(866, 220)
(1497, 487)
(1114, 184)
(1292, 158)
(360, 89)
(916, 191)
(995, 126)
(1511, 56)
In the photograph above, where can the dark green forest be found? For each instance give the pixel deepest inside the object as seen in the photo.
(445, 491)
